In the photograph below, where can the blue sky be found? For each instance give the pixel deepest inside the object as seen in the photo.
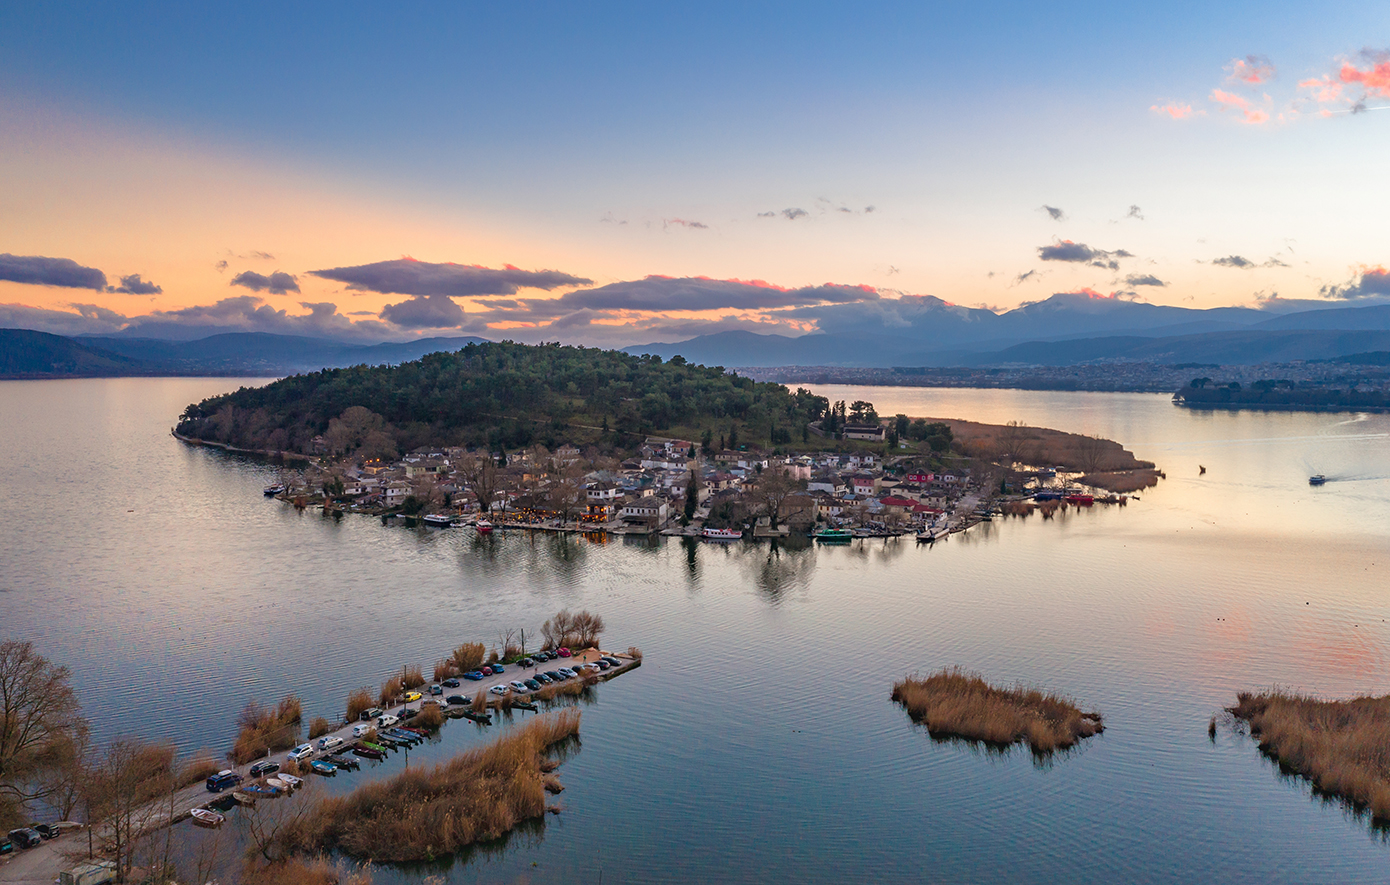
(615, 142)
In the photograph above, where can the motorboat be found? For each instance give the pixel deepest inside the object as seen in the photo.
(272, 491)
(1317, 479)
(834, 536)
(205, 818)
(483, 526)
(278, 784)
(438, 520)
(291, 781)
(323, 767)
(243, 798)
(722, 534)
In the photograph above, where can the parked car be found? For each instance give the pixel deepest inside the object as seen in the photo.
(498, 668)
(45, 830)
(25, 837)
(6, 846)
(526, 662)
(542, 678)
(451, 682)
(532, 684)
(474, 675)
(487, 671)
(370, 714)
(266, 767)
(437, 689)
(498, 690)
(601, 664)
(362, 729)
(612, 661)
(567, 672)
(222, 780)
(457, 699)
(387, 720)
(412, 696)
(519, 687)
(301, 752)
(330, 742)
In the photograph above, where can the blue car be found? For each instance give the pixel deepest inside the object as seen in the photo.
(497, 668)
(474, 676)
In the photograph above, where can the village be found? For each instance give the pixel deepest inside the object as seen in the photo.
(669, 486)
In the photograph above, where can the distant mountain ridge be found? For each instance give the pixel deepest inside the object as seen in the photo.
(25, 353)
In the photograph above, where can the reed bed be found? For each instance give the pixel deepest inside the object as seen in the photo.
(423, 813)
(413, 677)
(443, 669)
(318, 727)
(1121, 481)
(390, 690)
(1343, 747)
(430, 716)
(302, 871)
(468, 656)
(264, 730)
(358, 702)
(199, 768)
(954, 703)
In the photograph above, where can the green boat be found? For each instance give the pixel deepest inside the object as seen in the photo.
(834, 536)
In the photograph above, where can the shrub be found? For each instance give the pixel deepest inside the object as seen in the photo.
(430, 716)
(421, 813)
(413, 677)
(199, 768)
(264, 730)
(959, 704)
(468, 656)
(319, 727)
(390, 690)
(357, 702)
(634, 652)
(443, 670)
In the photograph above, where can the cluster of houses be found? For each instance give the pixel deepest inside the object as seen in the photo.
(649, 490)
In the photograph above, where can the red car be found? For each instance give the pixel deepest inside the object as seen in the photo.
(563, 652)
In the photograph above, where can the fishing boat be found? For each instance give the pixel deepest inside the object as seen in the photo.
(1081, 500)
(243, 798)
(347, 762)
(323, 767)
(259, 791)
(439, 520)
(368, 753)
(371, 746)
(834, 536)
(418, 731)
(272, 491)
(483, 526)
(482, 718)
(722, 534)
(205, 818)
(1317, 479)
(291, 781)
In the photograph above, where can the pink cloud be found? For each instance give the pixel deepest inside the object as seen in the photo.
(1325, 89)
(1375, 79)
(1233, 102)
(1253, 69)
(1174, 110)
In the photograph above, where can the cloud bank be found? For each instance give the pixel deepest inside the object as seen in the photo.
(278, 283)
(407, 276)
(59, 272)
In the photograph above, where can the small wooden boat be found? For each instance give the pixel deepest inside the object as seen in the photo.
(345, 762)
(291, 781)
(259, 790)
(525, 705)
(244, 798)
(323, 767)
(368, 753)
(413, 730)
(205, 818)
(378, 747)
(271, 491)
(483, 718)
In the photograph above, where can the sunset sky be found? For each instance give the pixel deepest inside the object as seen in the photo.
(272, 166)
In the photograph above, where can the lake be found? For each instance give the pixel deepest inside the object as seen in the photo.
(757, 741)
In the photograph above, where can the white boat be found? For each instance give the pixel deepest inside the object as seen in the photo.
(205, 818)
(483, 526)
(721, 534)
(440, 520)
(291, 781)
(270, 491)
(278, 783)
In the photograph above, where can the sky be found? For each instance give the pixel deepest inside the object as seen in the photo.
(617, 174)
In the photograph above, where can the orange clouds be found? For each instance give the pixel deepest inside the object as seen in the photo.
(1375, 79)
(1230, 101)
(1174, 110)
(1253, 69)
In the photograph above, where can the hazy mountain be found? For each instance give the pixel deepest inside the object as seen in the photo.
(24, 352)
(265, 353)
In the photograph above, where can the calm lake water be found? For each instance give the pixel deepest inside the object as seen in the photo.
(757, 742)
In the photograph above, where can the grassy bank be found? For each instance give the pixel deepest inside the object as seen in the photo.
(264, 730)
(953, 703)
(426, 813)
(1343, 747)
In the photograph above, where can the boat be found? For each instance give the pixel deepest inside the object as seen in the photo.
(323, 767)
(272, 491)
(722, 534)
(347, 762)
(258, 791)
(834, 536)
(483, 526)
(368, 753)
(277, 784)
(1082, 500)
(291, 781)
(243, 798)
(205, 818)
(483, 718)
(1317, 479)
(1047, 496)
(439, 520)
(371, 746)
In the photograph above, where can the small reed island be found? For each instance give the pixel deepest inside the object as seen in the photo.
(1342, 747)
(954, 703)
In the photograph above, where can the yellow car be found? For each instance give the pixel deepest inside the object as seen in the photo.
(412, 696)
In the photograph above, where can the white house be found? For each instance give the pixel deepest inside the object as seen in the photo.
(646, 509)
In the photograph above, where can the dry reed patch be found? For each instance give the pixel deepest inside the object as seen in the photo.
(430, 716)
(1122, 482)
(199, 768)
(266, 729)
(1343, 747)
(443, 669)
(958, 704)
(422, 813)
(414, 677)
(1042, 445)
(318, 727)
(468, 657)
(358, 702)
(390, 690)
(300, 871)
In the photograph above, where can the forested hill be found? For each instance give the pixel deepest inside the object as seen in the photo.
(28, 354)
(502, 394)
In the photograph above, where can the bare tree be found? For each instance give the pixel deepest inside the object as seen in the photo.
(567, 495)
(1091, 453)
(40, 727)
(481, 475)
(122, 788)
(771, 491)
(587, 628)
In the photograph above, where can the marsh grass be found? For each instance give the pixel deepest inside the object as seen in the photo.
(357, 702)
(430, 716)
(443, 669)
(414, 677)
(425, 813)
(264, 730)
(301, 871)
(390, 690)
(199, 768)
(1342, 747)
(955, 703)
(318, 727)
(468, 656)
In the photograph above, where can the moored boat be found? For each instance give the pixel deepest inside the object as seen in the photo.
(205, 818)
(832, 536)
(368, 753)
(291, 781)
(1082, 500)
(243, 798)
(344, 762)
(439, 520)
(259, 791)
(483, 526)
(272, 491)
(323, 767)
(721, 534)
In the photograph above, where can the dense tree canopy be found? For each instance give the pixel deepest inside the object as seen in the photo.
(499, 394)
